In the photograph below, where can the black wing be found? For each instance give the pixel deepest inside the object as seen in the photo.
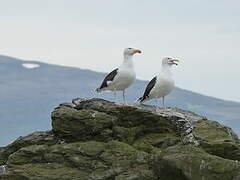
(148, 89)
(109, 77)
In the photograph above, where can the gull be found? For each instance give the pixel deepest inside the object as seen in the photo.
(162, 84)
(122, 77)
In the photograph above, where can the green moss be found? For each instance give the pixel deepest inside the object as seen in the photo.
(36, 138)
(211, 131)
(74, 125)
(216, 139)
(48, 171)
(127, 135)
(190, 162)
(154, 140)
(99, 140)
(30, 154)
(228, 150)
(133, 117)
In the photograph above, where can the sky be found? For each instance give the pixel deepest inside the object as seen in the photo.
(203, 34)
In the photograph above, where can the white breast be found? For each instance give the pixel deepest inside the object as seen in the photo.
(124, 78)
(163, 87)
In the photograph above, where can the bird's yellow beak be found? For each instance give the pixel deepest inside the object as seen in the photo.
(137, 51)
(174, 61)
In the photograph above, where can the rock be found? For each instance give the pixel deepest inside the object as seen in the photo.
(217, 139)
(85, 160)
(34, 138)
(2, 160)
(99, 140)
(92, 119)
(72, 124)
(188, 162)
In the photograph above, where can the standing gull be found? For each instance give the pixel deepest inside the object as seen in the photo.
(121, 78)
(162, 84)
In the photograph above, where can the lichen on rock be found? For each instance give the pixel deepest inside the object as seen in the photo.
(217, 139)
(99, 140)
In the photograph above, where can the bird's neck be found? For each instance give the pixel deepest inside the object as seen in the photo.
(166, 69)
(128, 62)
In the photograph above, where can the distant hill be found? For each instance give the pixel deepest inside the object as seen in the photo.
(29, 91)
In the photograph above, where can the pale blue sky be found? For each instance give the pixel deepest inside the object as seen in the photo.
(204, 34)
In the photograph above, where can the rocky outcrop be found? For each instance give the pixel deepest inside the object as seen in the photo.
(100, 140)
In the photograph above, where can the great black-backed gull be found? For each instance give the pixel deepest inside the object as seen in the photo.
(162, 84)
(121, 78)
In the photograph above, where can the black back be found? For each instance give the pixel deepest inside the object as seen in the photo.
(109, 77)
(148, 89)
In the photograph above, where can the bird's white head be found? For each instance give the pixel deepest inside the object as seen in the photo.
(130, 52)
(168, 61)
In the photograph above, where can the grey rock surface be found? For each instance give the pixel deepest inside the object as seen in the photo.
(94, 139)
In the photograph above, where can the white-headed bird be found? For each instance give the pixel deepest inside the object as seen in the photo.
(162, 84)
(121, 78)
